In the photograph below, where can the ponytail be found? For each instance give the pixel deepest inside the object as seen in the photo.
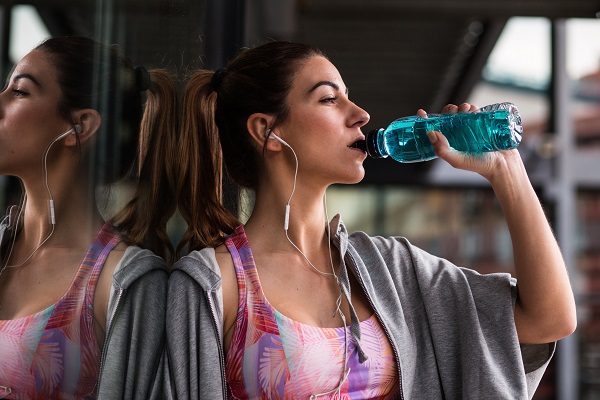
(144, 219)
(200, 175)
(215, 111)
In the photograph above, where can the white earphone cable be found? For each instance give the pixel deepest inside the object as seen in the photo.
(287, 221)
(338, 303)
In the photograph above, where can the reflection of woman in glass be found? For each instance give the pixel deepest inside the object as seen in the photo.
(291, 306)
(70, 119)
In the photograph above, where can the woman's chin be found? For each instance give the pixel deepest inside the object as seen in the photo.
(356, 178)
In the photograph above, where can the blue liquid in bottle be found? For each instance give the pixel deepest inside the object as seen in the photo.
(494, 127)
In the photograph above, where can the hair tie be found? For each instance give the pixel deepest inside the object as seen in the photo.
(217, 78)
(142, 79)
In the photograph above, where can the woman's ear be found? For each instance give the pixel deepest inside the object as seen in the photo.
(257, 125)
(86, 125)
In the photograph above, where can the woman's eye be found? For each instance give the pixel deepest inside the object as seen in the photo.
(19, 92)
(329, 100)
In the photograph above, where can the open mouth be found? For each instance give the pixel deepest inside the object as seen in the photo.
(359, 144)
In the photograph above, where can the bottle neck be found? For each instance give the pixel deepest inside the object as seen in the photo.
(372, 144)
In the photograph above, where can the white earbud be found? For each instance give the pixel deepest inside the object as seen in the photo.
(271, 135)
(75, 130)
(64, 135)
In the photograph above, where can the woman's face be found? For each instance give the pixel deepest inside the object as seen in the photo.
(323, 124)
(29, 118)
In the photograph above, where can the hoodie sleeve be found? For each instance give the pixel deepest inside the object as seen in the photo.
(453, 327)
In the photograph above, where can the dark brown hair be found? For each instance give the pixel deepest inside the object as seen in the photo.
(135, 137)
(214, 130)
(144, 219)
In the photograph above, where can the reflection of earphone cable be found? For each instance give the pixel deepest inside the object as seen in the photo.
(52, 215)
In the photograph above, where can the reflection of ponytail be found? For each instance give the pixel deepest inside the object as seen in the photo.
(200, 168)
(144, 219)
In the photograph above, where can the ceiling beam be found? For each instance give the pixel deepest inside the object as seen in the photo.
(464, 69)
(475, 8)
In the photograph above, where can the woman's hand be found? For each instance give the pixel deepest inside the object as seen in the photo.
(487, 164)
(545, 306)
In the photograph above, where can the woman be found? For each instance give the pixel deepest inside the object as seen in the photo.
(290, 306)
(81, 309)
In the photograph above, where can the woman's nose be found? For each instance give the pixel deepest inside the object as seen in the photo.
(361, 117)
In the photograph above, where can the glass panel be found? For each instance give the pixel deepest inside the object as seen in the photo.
(464, 225)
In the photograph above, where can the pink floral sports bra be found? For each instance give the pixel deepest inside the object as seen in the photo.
(274, 357)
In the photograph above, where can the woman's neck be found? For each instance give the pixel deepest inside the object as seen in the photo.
(72, 218)
(306, 224)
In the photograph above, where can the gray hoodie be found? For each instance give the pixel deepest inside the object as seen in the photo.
(452, 329)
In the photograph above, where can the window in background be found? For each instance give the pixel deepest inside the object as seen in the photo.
(521, 63)
(583, 68)
(27, 30)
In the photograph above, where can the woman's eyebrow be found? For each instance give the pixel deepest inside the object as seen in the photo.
(326, 83)
(26, 76)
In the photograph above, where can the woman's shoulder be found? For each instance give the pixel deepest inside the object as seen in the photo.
(402, 259)
(397, 256)
(363, 241)
(126, 265)
(198, 266)
(135, 261)
(383, 245)
(205, 257)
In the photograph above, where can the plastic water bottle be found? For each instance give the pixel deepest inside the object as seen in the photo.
(491, 128)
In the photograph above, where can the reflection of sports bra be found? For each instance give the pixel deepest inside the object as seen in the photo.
(272, 356)
(54, 353)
